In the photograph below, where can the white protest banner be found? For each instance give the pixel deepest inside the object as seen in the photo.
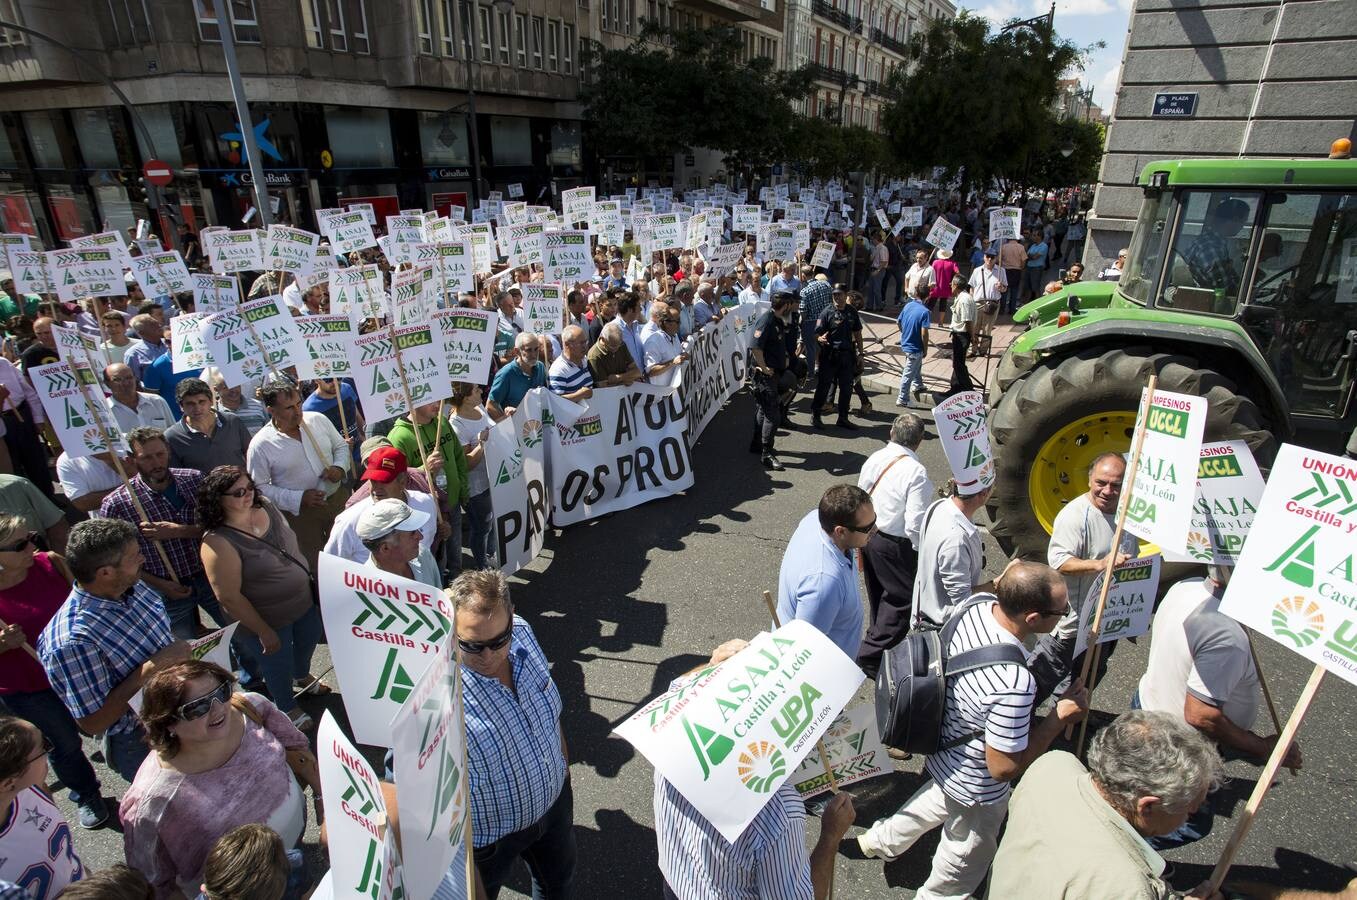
(432, 787)
(626, 449)
(515, 213)
(577, 204)
(160, 274)
(605, 221)
(482, 246)
(70, 395)
(85, 273)
(724, 259)
(378, 374)
(257, 336)
(384, 631)
(406, 229)
(214, 293)
(328, 340)
(31, 273)
(187, 351)
(912, 216)
(543, 308)
(348, 231)
(522, 244)
(1005, 223)
(111, 241)
(412, 301)
(1296, 579)
(363, 859)
(322, 264)
(1130, 602)
(515, 459)
(1229, 486)
(468, 342)
(568, 259)
(963, 425)
(451, 261)
(943, 234)
(854, 749)
(1161, 500)
(727, 736)
(234, 251)
(823, 255)
(782, 243)
(717, 365)
(359, 290)
(290, 249)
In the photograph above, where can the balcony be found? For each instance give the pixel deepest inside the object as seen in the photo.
(829, 12)
(889, 43)
(830, 74)
(726, 11)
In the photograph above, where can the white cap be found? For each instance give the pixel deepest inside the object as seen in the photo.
(386, 516)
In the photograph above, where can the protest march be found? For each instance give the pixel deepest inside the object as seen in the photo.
(370, 436)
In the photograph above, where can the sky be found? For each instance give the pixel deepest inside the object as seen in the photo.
(1082, 22)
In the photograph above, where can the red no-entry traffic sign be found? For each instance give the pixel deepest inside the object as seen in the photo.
(157, 173)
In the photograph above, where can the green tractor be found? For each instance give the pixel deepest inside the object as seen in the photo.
(1240, 285)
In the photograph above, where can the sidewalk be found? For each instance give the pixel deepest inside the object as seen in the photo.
(884, 360)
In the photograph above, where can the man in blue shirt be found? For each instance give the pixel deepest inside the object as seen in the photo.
(818, 582)
(1037, 252)
(513, 382)
(786, 281)
(159, 376)
(913, 321)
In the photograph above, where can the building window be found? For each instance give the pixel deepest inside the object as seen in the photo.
(242, 14)
(448, 36)
(537, 42)
(360, 28)
(553, 46)
(485, 37)
(129, 16)
(311, 24)
(521, 39)
(360, 136)
(567, 49)
(338, 40)
(9, 11)
(603, 15)
(468, 32)
(424, 25)
(502, 23)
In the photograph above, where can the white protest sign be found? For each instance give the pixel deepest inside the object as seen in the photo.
(70, 395)
(723, 259)
(1161, 500)
(111, 241)
(854, 749)
(348, 231)
(160, 274)
(666, 231)
(1005, 223)
(912, 216)
(31, 273)
(85, 273)
(782, 243)
(881, 218)
(432, 787)
(328, 340)
(963, 426)
(543, 308)
(728, 736)
(577, 204)
(254, 337)
(516, 190)
(214, 647)
(74, 345)
(568, 259)
(522, 244)
(187, 351)
(1229, 486)
(468, 342)
(605, 221)
(378, 377)
(1296, 580)
(412, 301)
(214, 293)
(823, 255)
(384, 631)
(363, 861)
(943, 234)
(12, 243)
(451, 261)
(1130, 602)
(290, 250)
(234, 251)
(359, 290)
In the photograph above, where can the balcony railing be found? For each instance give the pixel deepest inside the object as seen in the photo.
(828, 11)
(831, 74)
(890, 43)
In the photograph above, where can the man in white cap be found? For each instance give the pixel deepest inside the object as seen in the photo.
(387, 474)
(390, 530)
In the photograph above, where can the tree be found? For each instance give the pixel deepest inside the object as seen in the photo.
(1052, 169)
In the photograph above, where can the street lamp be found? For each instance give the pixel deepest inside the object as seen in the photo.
(473, 46)
(1067, 148)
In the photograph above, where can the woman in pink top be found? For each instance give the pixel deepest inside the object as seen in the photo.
(944, 270)
(219, 762)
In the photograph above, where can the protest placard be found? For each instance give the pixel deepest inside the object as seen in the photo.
(1159, 503)
(214, 293)
(234, 251)
(1229, 486)
(12, 243)
(162, 274)
(363, 858)
(727, 736)
(187, 351)
(348, 231)
(823, 255)
(468, 342)
(214, 647)
(358, 290)
(290, 249)
(943, 234)
(31, 273)
(412, 295)
(1005, 223)
(522, 244)
(71, 398)
(568, 257)
(86, 273)
(606, 223)
(722, 260)
(912, 216)
(1130, 602)
(328, 342)
(255, 337)
(76, 346)
(452, 263)
(963, 425)
(577, 204)
(854, 749)
(746, 217)
(112, 241)
(390, 362)
(543, 308)
(881, 218)
(665, 231)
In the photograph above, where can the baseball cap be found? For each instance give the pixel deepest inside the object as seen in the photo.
(365, 449)
(385, 464)
(386, 516)
(129, 279)
(839, 288)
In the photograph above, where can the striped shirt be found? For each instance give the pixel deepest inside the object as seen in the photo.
(567, 377)
(92, 644)
(996, 700)
(178, 504)
(768, 861)
(514, 757)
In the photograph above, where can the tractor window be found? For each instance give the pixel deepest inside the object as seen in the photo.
(1146, 252)
(1302, 310)
(1206, 269)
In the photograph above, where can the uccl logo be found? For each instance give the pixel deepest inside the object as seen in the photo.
(580, 431)
(761, 767)
(1297, 619)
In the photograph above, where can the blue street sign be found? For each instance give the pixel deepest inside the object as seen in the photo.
(1174, 106)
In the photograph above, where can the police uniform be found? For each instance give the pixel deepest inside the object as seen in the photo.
(838, 359)
(770, 337)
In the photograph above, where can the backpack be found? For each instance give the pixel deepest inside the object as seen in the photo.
(911, 685)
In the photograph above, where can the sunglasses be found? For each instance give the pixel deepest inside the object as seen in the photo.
(196, 709)
(26, 541)
(475, 648)
(865, 529)
(239, 493)
(47, 747)
(1057, 613)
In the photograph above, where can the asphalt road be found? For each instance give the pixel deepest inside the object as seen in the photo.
(625, 603)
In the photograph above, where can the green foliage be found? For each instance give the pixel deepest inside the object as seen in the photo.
(1053, 169)
(824, 149)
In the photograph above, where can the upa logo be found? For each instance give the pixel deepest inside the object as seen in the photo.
(94, 440)
(1299, 620)
(394, 402)
(251, 367)
(532, 433)
(1199, 546)
(761, 767)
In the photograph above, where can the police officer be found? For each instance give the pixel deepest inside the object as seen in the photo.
(772, 375)
(839, 331)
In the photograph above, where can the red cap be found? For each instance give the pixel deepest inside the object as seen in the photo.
(385, 464)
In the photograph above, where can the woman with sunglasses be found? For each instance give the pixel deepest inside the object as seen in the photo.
(33, 586)
(217, 762)
(243, 532)
(37, 855)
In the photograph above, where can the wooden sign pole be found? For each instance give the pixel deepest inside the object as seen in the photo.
(28, 648)
(419, 439)
(1267, 694)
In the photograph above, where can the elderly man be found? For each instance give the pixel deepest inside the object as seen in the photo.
(149, 346)
(521, 801)
(132, 408)
(392, 534)
(236, 401)
(1113, 270)
(43, 350)
(786, 280)
(706, 308)
(205, 437)
(610, 362)
(681, 304)
(299, 462)
(514, 380)
(896, 481)
(629, 318)
(386, 472)
(663, 351)
(818, 580)
(951, 555)
(1076, 832)
(987, 285)
(1081, 539)
(108, 637)
(569, 374)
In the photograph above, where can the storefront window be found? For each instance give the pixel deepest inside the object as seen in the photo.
(42, 137)
(8, 159)
(511, 141)
(92, 130)
(360, 138)
(71, 213)
(442, 139)
(159, 121)
(16, 211)
(565, 144)
(115, 212)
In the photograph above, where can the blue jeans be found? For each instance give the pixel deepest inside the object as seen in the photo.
(874, 283)
(547, 846)
(49, 715)
(481, 516)
(1031, 277)
(296, 644)
(912, 379)
(124, 752)
(184, 613)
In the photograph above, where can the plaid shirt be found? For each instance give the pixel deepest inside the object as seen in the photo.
(92, 644)
(815, 296)
(514, 756)
(183, 552)
(1212, 262)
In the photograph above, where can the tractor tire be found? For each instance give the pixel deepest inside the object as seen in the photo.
(1080, 387)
